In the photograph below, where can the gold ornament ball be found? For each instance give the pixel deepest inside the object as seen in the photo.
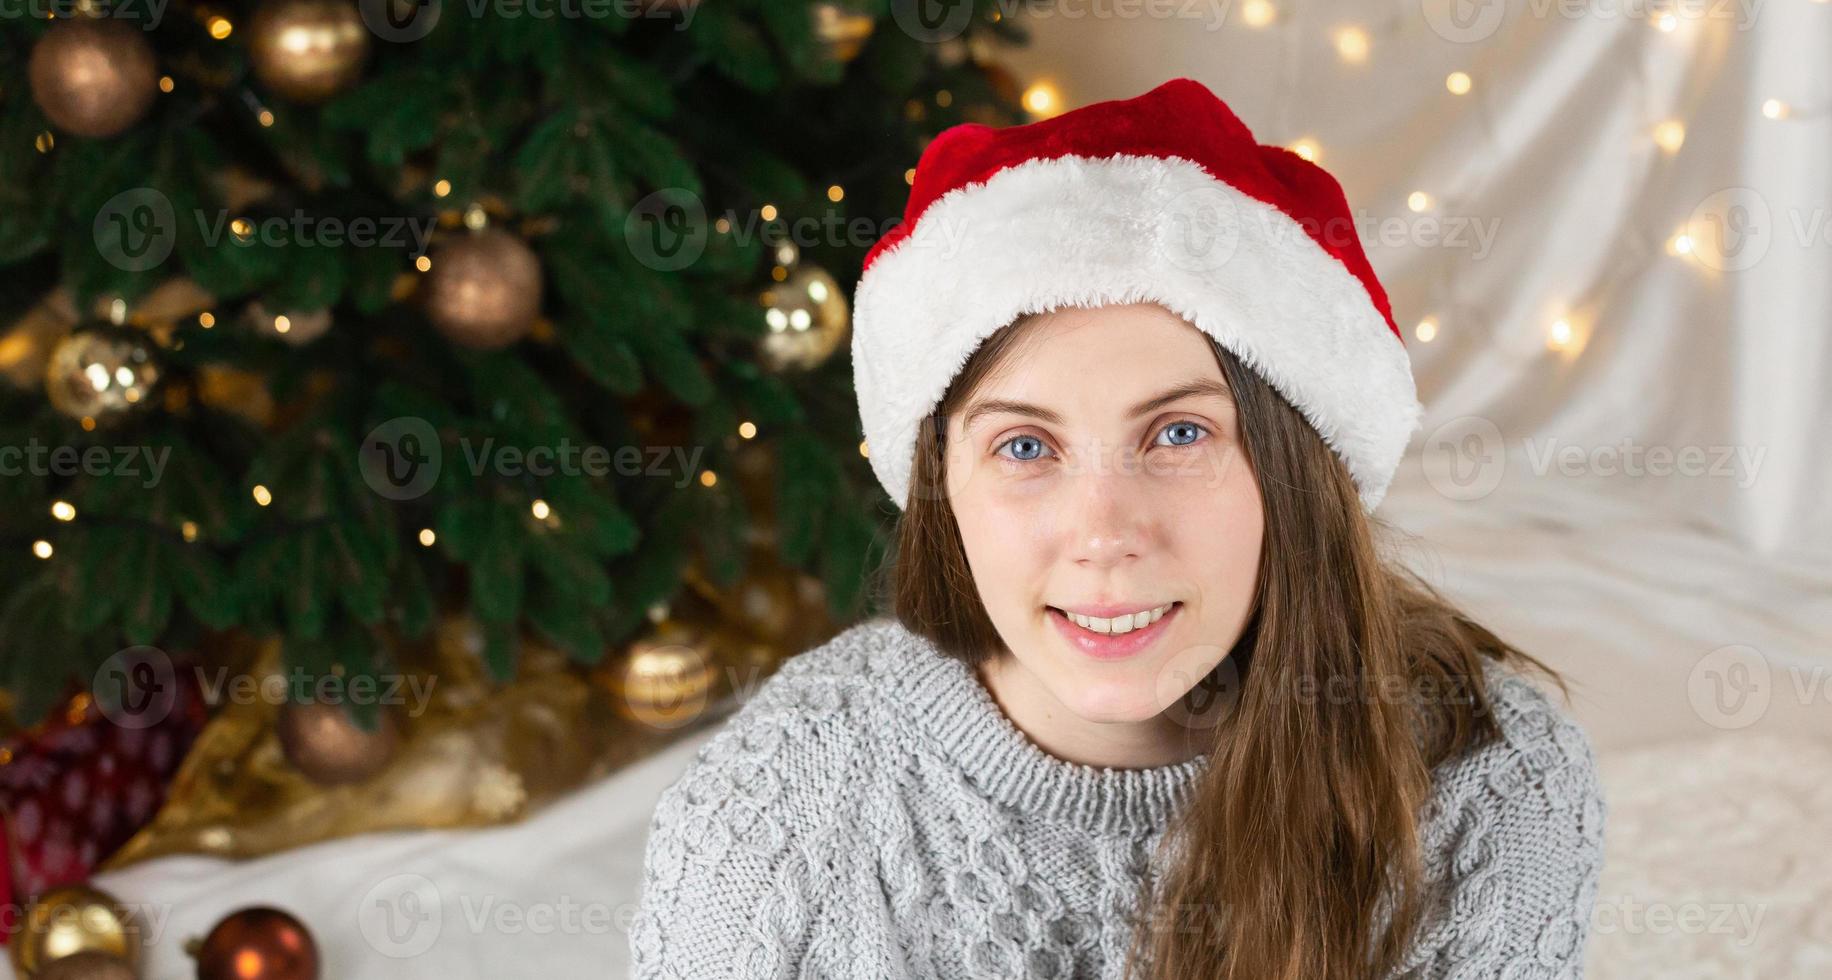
(72, 919)
(808, 318)
(663, 681)
(322, 741)
(307, 50)
(89, 965)
(484, 290)
(841, 30)
(93, 77)
(101, 373)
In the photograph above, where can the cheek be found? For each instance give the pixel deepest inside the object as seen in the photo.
(1003, 549)
(1223, 527)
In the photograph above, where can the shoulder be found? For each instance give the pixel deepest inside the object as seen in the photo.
(1543, 755)
(1514, 831)
(807, 723)
(740, 844)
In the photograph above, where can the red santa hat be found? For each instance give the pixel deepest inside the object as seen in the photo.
(1162, 198)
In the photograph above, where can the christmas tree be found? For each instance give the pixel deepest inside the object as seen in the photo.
(320, 315)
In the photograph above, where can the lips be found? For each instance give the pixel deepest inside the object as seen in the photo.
(1110, 646)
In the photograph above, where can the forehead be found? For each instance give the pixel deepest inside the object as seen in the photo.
(1101, 356)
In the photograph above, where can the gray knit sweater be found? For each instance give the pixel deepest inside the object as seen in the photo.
(872, 813)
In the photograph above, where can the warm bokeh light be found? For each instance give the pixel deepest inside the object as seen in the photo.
(1352, 45)
(1042, 99)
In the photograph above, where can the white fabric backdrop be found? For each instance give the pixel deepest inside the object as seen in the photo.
(1551, 156)
(1691, 612)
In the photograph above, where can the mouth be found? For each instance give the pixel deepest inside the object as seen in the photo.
(1111, 638)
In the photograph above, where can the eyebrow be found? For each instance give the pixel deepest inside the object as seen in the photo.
(1199, 386)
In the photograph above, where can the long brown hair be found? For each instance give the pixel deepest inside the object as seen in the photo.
(1299, 843)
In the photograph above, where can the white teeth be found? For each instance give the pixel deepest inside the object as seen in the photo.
(1119, 624)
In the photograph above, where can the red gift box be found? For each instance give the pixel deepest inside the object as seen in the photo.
(76, 786)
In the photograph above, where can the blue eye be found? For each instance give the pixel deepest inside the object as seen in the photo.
(1188, 434)
(1185, 425)
(1015, 440)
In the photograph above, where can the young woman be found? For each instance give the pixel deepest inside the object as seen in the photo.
(1152, 704)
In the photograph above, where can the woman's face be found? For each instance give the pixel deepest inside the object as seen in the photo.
(1080, 488)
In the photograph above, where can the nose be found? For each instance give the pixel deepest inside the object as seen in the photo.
(1108, 515)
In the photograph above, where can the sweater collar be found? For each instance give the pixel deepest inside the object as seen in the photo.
(951, 707)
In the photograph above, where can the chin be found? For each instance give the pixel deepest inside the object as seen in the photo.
(1112, 699)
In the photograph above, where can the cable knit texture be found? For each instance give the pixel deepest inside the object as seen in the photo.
(872, 813)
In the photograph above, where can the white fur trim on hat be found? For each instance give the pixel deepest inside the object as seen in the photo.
(1075, 231)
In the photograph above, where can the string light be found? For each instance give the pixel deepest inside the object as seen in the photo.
(41, 548)
(424, 263)
(1560, 336)
(188, 531)
(442, 187)
(909, 178)
(540, 509)
(266, 118)
(427, 537)
(1670, 135)
(166, 84)
(1667, 22)
(1257, 13)
(747, 430)
(835, 193)
(1427, 330)
(1418, 201)
(864, 450)
(1352, 45)
(206, 319)
(45, 142)
(220, 28)
(1458, 83)
(1306, 148)
(63, 510)
(282, 324)
(1680, 244)
(768, 212)
(708, 478)
(1774, 109)
(1042, 99)
(261, 496)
